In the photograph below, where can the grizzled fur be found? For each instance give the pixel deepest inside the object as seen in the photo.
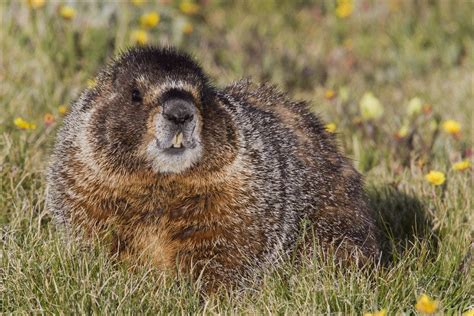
(261, 165)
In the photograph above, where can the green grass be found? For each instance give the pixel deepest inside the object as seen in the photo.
(396, 49)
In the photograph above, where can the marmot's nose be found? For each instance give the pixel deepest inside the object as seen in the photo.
(178, 111)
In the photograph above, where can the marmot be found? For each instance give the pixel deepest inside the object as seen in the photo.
(214, 181)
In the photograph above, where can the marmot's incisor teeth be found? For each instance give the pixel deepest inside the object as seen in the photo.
(231, 212)
(178, 140)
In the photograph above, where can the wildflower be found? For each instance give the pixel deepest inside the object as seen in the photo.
(427, 109)
(189, 7)
(462, 165)
(435, 177)
(139, 37)
(62, 109)
(381, 312)
(149, 20)
(36, 4)
(187, 28)
(370, 107)
(48, 119)
(329, 94)
(402, 132)
(344, 8)
(426, 305)
(414, 106)
(330, 127)
(138, 3)
(451, 127)
(22, 124)
(469, 312)
(91, 83)
(67, 12)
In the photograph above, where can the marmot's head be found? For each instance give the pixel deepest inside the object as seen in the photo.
(147, 111)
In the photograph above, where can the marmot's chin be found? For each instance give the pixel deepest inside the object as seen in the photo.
(173, 159)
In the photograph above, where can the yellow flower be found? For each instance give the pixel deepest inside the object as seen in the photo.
(62, 109)
(139, 37)
(469, 312)
(149, 20)
(330, 127)
(48, 119)
(138, 3)
(370, 107)
(435, 177)
(381, 312)
(36, 4)
(329, 94)
(415, 106)
(67, 12)
(403, 132)
(187, 28)
(451, 127)
(344, 8)
(21, 123)
(425, 304)
(91, 83)
(189, 7)
(461, 166)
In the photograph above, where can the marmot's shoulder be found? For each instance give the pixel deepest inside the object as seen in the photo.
(294, 115)
(262, 95)
(270, 98)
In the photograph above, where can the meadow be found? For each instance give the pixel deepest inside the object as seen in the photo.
(393, 79)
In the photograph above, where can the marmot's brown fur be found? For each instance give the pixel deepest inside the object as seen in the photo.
(183, 174)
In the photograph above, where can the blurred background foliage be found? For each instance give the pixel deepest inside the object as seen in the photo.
(328, 52)
(393, 79)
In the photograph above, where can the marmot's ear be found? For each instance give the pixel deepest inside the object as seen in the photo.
(114, 76)
(113, 73)
(120, 80)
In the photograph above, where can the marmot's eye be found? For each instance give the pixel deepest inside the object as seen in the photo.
(136, 96)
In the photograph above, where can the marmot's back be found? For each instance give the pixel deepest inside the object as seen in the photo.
(302, 162)
(171, 170)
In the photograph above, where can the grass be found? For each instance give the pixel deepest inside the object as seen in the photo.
(398, 50)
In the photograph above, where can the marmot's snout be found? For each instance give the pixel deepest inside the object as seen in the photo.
(177, 133)
(176, 125)
(179, 112)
